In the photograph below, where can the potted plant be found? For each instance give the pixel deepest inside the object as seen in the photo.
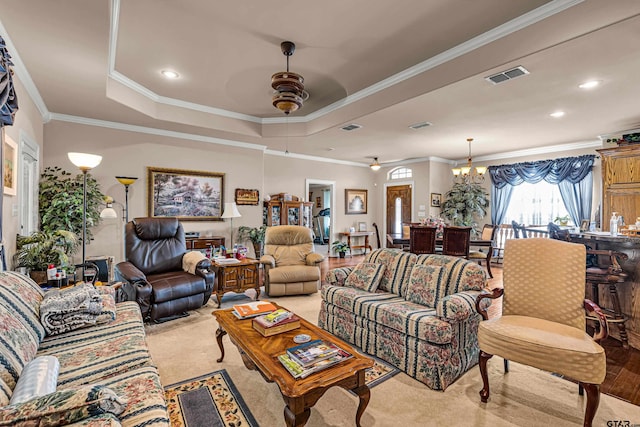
(562, 220)
(41, 248)
(463, 202)
(255, 235)
(60, 201)
(340, 248)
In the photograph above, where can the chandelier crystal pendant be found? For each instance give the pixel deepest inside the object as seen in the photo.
(289, 94)
(467, 174)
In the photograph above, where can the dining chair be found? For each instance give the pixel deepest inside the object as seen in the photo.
(455, 241)
(488, 233)
(518, 230)
(422, 239)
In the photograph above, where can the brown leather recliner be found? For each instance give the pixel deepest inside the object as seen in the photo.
(153, 272)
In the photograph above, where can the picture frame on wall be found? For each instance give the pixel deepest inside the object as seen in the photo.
(247, 197)
(10, 167)
(355, 202)
(186, 194)
(436, 199)
(318, 202)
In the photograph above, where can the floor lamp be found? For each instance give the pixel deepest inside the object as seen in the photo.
(231, 211)
(126, 181)
(85, 162)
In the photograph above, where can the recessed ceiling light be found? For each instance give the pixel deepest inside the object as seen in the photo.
(589, 85)
(170, 74)
(557, 114)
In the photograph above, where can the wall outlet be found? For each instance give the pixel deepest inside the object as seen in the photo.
(422, 207)
(421, 214)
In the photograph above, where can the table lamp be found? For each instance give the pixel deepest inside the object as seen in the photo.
(231, 211)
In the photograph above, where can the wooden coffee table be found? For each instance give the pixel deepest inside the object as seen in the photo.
(261, 354)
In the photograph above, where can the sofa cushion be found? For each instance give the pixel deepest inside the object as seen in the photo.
(23, 296)
(174, 285)
(92, 354)
(365, 276)
(294, 273)
(424, 283)
(18, 347)
(38, 378)
(63, 407)
(460, 274)
(397, 268)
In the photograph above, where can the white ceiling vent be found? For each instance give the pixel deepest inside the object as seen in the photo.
(507, 75)
(352, 126)
(417, 126)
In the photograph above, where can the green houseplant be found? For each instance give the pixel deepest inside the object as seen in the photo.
(60, 201)
(340, 248)
(464, 202)
(255, 235)
(36, 251)
(562, 220)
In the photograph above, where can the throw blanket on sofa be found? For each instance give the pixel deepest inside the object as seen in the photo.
(69, 309)
(190, 261)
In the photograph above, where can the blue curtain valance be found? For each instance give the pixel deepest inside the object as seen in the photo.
(571, 169)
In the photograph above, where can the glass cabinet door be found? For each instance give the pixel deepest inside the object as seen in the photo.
(293, 216)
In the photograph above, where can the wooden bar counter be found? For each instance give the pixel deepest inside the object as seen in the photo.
(629, 292)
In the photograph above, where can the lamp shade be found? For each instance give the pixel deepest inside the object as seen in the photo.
(85, 161)
(231, 211)
(108, 212)
(126, 180)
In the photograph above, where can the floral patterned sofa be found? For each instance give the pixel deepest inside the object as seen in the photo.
(104, 370)
(420, 318)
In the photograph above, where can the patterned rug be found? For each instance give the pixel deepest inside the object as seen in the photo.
(213, 399)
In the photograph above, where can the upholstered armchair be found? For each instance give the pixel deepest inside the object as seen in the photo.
(290, 264)
(159, 274)
(543, 317)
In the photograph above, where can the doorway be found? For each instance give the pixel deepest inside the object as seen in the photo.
(322, 194)
(399, 204)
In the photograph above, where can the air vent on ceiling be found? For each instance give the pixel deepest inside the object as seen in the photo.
(417, 126)
(352, 126)
(507, 75)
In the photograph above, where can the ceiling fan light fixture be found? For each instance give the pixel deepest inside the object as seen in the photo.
(289, 95)
(375, 166)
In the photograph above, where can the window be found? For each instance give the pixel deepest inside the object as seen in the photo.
(400, 173)
(397, 226)
(535, 204)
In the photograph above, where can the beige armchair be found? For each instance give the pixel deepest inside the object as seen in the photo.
(290, 264)
(543, 317)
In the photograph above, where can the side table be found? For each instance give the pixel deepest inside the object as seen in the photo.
(236, 277)
(364, 234)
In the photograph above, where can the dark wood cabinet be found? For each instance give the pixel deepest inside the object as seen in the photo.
(620, 183)
(236, 277)
(195, 243)
(288, 210)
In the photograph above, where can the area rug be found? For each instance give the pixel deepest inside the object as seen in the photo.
(379, 372)
(210, 400)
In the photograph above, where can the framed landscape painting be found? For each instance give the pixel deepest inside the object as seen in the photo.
(10, 165)
(355, 202)
(185, 194)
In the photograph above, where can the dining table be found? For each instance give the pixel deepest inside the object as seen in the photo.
(395, 239)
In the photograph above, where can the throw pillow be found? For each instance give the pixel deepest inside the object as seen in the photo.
(365, 276)
(63, 407)
(424, 282)
(39, 377)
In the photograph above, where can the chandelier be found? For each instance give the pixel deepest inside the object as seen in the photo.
(467, 174)
(289, 92)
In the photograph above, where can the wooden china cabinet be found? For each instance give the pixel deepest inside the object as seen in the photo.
(620, 183)
(284, 209)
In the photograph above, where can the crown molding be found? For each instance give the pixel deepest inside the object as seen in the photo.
(154, 131)
(314, 158)
(24, 76)
(516, 24)
(535, 151)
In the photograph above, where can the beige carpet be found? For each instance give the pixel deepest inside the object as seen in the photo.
(186, 348)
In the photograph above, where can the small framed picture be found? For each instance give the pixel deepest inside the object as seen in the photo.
(436, 199)
(10, 161)
(362, 226)
(247, 197)
(355, 201)
(584, 225)
(318, 202)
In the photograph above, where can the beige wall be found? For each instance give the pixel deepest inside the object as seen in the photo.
(28, 123)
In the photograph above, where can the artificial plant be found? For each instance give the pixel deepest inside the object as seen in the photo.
(253, 234)
(42, 248)
(60, 201)
(464, 202)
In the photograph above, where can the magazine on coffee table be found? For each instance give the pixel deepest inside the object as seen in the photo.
(298, 371)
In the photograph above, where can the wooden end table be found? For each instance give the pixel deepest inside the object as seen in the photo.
(261, 354)
(236, 277)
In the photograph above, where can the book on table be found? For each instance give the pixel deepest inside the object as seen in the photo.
(252, 309)
(299, 371)
(274, 318)
(266, 329)
(312, 352)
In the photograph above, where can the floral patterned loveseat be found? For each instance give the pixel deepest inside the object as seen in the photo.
(421, 318)
(104, 370)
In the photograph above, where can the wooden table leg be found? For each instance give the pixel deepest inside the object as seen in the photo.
(366, 244)
(296, 414)
(363, 394)
(219, 334)
(349, 245)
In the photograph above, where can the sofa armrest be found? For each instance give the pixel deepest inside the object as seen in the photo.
(337, 276)
(64, 407)
(130, 272)
(457, 307)
(136, 287)
(203, 269)
(314, 258)
(268, 261)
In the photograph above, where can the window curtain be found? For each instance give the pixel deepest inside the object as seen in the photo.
(8, 108)
(572, 175)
